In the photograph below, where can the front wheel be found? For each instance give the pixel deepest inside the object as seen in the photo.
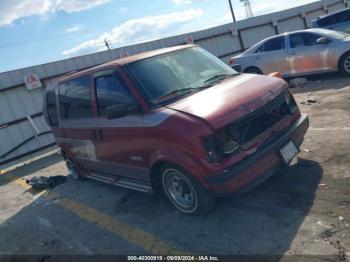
(72, 170)
(344, 64)
(185, 192)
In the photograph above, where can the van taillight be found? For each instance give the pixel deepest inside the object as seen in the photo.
(231, 62)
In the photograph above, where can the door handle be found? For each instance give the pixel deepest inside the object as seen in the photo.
(292, 53)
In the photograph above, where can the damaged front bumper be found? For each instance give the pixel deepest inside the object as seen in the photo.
(256, 168)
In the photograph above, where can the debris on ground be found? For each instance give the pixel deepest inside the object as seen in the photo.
(311, 100)
(307, 150)
(42, 182)
(297, 82)
(341, 218)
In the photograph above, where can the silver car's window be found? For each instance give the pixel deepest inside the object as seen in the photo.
(274, 44)
(303, 39)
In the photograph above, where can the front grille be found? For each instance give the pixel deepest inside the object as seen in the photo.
(262, 119)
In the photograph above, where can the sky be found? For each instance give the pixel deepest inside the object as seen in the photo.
(34, 32)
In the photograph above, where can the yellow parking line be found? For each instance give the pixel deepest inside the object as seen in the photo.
(19, 181)
(134, 235)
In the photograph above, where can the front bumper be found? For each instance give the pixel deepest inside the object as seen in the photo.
(256, 168)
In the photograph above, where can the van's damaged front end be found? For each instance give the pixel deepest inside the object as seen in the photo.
(255, 131)
(262, 142)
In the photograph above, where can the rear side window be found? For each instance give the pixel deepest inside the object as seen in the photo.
(75, 99)
(274, 44)
(335, 18)
(110, 90)
(51, 108)
(303, 39)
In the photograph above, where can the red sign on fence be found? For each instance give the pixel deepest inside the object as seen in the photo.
(32, 81)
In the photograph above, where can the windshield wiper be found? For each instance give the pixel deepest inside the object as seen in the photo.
(181, 91)
(218, 77)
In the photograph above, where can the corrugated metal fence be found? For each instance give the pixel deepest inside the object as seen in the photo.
(23, 130)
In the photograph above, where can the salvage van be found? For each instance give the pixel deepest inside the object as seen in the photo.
(176, 121)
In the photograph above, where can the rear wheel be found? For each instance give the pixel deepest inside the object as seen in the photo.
(72, 170)
(185, 192)
(344, 64)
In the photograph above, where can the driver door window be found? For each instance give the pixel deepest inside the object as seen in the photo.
(110, 90)
(303, 40)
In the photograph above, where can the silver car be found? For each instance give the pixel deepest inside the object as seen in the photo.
(296, 53)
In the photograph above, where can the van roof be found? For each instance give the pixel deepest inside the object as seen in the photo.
(124, 61)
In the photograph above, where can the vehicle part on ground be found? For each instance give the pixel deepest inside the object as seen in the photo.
(299, 81)
(41, 183)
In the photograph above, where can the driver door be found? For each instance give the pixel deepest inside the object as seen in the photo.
(119, 142)
(305, 55)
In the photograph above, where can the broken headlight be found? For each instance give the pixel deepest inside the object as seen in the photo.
(292, 105)
(220, 145)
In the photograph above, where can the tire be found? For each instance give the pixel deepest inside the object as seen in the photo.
(72, 170)
(253, 70)
(185, 192)
(344, 64)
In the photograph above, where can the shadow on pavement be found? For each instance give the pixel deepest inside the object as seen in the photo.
(262, 222)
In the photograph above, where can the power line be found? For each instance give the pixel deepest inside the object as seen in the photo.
(78, 32)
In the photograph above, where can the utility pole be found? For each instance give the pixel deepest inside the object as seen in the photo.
(106, 42)
(232, 13)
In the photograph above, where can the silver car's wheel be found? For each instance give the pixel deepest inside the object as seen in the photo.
(346, 64)
(179, 190)
(72, 171)
(184, 191)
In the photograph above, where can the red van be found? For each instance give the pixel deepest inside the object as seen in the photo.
(176, 120)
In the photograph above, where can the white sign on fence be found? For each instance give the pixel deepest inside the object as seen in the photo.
(32, 81)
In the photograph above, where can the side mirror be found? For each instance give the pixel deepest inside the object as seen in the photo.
(322, 40)
(119, 110)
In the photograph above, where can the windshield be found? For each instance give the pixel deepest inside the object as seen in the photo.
(171, 75)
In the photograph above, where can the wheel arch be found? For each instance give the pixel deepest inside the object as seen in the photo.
(252, 68)
(341, 57)
(189, 166)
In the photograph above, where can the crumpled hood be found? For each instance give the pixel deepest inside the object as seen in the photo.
(231, 99)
